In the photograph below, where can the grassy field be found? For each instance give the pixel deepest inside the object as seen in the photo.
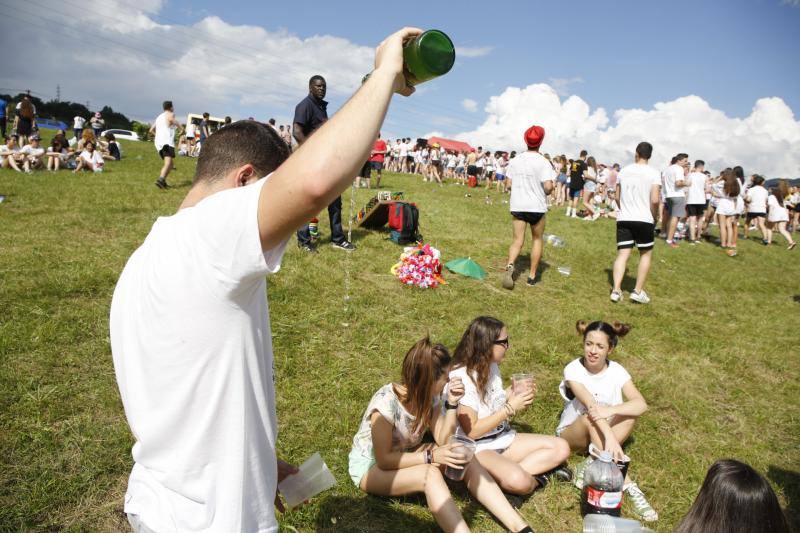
(712, 354)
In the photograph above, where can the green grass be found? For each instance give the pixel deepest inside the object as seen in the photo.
(715, 354)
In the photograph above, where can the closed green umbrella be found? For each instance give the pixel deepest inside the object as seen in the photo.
(466, 267)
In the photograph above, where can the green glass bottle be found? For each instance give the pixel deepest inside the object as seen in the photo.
(429, 55)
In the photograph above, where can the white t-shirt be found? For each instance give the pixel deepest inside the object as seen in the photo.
(403, 149)
(777, 213)
(192, 349)
(757, 195)
(5, 150)
(95, 158)
(29, 150)
(605, 386)
(697, 189)
(635, 183)
(671, 175)
(165, 133)
(78, 122)
(529, 170)
(602, 177)
(490, 403)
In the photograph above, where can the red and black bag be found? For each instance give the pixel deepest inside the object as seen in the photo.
(404, 222)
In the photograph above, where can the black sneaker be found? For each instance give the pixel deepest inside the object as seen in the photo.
(344, 245)
(308, 248)
(561, 473)
(161, 184)
(533, 281)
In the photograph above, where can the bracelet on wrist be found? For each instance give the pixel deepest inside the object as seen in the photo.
(428, 456)
(448, 405)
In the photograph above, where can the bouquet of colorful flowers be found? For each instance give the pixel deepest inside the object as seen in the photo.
(420, 266)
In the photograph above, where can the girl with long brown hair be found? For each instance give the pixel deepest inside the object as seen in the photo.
(589, 187)
(519, 462)
(726, 211)
(778, 215)
(602, 404)
(388, 457)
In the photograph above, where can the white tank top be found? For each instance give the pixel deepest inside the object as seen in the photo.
(165, 134)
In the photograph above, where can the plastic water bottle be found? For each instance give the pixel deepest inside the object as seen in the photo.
(602, 487)
(554, 240)
(427, 56)
(598, 523)
(313, 228)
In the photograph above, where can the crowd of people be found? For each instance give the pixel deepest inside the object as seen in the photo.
(88, 153)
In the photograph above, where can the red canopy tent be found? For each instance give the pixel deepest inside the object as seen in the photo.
(449, 144)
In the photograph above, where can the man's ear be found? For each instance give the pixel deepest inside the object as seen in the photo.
(243, 175)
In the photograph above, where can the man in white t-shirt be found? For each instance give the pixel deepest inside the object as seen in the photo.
(533, 177)
(34, 154)
(164, 128)
(77, 126)
(190, 325)
(675, 183)
(403, 153)
(639, 196)
(696, 200)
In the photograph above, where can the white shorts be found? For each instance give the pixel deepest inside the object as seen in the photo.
(726, 207)
(498, 444)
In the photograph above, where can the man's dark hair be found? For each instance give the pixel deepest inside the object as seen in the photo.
(272, 121)
(699, 163)
(584, 153)
(240, 143)
(167, 105)
(206, 115)
(315, 77)
(644, 150)
(758, 179)
(681, 157)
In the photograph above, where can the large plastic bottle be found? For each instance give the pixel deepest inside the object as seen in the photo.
(600, 523)
(602, 487)
(554, 240)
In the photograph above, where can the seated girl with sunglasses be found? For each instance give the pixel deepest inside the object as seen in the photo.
(389, 459)
(602, 404)
(519, 462)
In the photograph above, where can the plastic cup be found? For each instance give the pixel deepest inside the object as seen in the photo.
(312, 478)
(521, 383)
(465, 445)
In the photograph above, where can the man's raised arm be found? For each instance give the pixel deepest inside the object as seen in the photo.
(326, 163)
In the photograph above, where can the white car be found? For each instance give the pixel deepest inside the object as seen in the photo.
(123, 134)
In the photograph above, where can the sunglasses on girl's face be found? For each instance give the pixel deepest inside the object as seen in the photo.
(502, 342)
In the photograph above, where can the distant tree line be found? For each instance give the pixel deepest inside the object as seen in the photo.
(65, 111)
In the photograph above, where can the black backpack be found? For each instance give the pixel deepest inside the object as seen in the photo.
(407, 231)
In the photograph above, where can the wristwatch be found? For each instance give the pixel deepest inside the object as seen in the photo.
(448, 405)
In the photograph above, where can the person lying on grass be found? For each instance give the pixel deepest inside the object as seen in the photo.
(595, 412)
(519, 462)
(389, 459)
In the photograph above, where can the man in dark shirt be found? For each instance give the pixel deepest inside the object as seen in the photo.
(309, 115)
(576, 171)
(205, 129)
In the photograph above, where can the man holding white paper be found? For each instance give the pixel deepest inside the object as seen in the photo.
(190, 328)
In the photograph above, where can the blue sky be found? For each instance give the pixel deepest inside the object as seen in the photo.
(629, 54)
(716, 78)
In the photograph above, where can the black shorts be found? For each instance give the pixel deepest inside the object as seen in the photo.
(365, 170)
(751, 216)
(167, 151)
(639, 233)
(410, 158)
(695, 210)
(472, 170)
(527, 216)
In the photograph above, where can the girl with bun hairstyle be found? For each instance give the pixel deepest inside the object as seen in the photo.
(388, 457)
(602, 404)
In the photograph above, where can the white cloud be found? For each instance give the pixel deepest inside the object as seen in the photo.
(474, 51)
(469, 104)
(561, 85)
(765, 141)
(136, 62)
(794, 3)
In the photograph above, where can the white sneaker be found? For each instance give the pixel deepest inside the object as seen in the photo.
(615, 296)
(640, 297)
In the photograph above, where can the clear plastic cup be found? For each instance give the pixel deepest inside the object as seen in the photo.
(521, 383)
(465, 445)
(312, 478)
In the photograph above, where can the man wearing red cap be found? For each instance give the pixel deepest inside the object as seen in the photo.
(533, 177)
